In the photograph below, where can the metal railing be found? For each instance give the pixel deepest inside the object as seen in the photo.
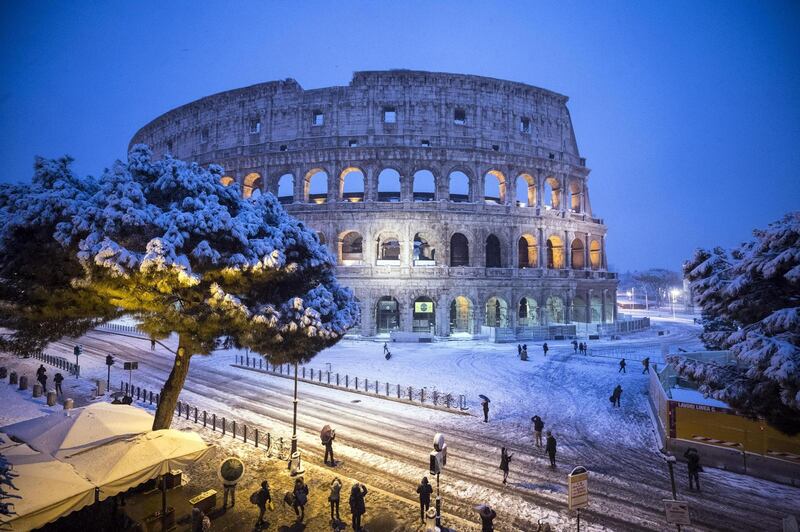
(58, 362)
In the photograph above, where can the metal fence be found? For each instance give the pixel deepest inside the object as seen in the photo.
(58, 362)
(117, 327)
(431, 398)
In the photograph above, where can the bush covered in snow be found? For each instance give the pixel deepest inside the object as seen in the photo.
(750, 299)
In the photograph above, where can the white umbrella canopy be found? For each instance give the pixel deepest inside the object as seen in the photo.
(122, 464)
(62, 434)
(42, 488)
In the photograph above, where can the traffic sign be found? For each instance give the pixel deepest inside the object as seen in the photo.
(578, 488)
(131, 365)
(677, 512)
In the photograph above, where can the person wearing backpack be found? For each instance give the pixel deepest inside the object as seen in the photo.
(261, 498)
(300, 498)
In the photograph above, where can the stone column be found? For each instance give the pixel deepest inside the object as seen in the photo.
(603, 301)
(511, 191)
(406, 311)
(540, 188)
(370, 184)
(333, 185)
(565, 194)
(368, 316)
(589, 305)
(540, 247)
(442, 316)
(586, 265)
(603, 262)
(299, 186)
(568, 306)
(568, 250)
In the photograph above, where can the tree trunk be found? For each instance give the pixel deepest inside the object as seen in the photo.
(172, 389)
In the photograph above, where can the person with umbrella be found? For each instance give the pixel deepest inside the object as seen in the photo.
(487, 516)
(327, 436)
(485, 405)
(505, 460)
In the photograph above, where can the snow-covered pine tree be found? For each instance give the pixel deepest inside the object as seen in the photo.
(165, 242)
(750, 299)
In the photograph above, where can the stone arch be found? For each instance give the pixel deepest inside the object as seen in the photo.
(527, 252)
(528, 312)
(388, 247)
(577, 254)
(494, 187)
(423, 315)
(387, 314)
(526, 190)
(424, 250)
(351, 184)
(251, 183)
(351, 248)
(575, 196)
(423, 185)
(389, 186)
(462, 315)
(459, 186)
(494, 254)
(554, 309)
(226, 180)
(459, 250)
(496, 312)
(555, 253)
(579, 309)
(315, 186)
(552, 193)
(285, 188)
(595, 255)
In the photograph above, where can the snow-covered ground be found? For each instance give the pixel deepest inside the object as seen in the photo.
(386, 444)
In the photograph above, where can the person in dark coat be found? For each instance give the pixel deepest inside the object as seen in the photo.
(385, 349)
(505, 460)
(334, 497)
(328, 443)
(545, 348)
(616, 395)
(425, 490)
(575, 346)
(538, 426)
(646, 364)
(358, 506)
(487, 519)
(550, 448)
(43, 381)
(263, 497)
(693, 463)
(519, 350)
(58, 378)
(622, 366)
(485, 405)
(300, 498)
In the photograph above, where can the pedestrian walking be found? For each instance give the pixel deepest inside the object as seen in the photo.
(58, 378)
(385, 349)
(545, 348)
(622, 366)
(358, 505)
(300, 498)
(550, 448)
(485, 405)
(581, 348)
(646, 364)
(152, 344)
(40, 371)
(229, 490)
(538, 425)
(505, 460)
(693, 463)
(333, 499)
(487, 519)
(261, 498)
(575, 346)
(425, 490)
(616, 395)
(519, 350)
(43, 381)
(328, 435)
(523, 354)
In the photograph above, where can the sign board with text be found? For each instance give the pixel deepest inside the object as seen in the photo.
(677, 512)
(578, 488)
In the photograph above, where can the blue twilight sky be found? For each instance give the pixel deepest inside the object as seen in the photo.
(687, 112)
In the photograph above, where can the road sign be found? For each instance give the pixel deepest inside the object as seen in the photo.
(677, 512)
(578, 488)
(131, 365)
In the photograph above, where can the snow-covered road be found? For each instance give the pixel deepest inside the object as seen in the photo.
(386, 444)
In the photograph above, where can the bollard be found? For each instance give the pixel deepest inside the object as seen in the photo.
(100, 386)
(347, 381)
(244, 433)
(68, 403)
(356, 383)
(410, 393)
(398, 391)
(256, 436)
(233, 429)
(224, 426)
(312, 373)
(213, 422)
(204, 418)
(195, 414)
(387, 389)
(304, 372)
(376, 387)
(23, 383)
(51, 398)
(329, 377)
(337, 379)
(12, 377)
(37, 389)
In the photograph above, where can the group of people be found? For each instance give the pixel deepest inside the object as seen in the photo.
(579, 347)
(41, 376)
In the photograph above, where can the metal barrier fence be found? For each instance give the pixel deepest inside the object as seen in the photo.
(117, 327)
(374, 387)
(210, 420)
(58, 362)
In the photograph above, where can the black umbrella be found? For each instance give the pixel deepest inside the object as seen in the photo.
(485, 398)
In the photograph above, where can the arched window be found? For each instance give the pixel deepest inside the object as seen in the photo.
(595, 255)
(226, 180)
(459, 250)
(252, 182)
(552, 193)
(555, 253)
(528, 312)
(526, 190)
(493, 255)
(388, 249)
(423, 319)
(579, 310)
(424, 254)
(352, 185)
(496, 312)
(389, 185)
(461, 316)
(387, 314)
(286, 189)
(424, 186)
(494, 187)
(575, 196)
(577, 254)
(316, 186)
(554, 309)
(459, 186)
(352, 249)
(528, 252)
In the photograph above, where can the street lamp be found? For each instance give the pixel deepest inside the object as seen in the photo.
(674, 293)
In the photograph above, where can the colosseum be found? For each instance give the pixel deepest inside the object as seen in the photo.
(454, 204)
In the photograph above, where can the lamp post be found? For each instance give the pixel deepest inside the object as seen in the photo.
(674, 293)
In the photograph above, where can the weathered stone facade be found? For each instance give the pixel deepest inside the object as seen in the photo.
(332, 155)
